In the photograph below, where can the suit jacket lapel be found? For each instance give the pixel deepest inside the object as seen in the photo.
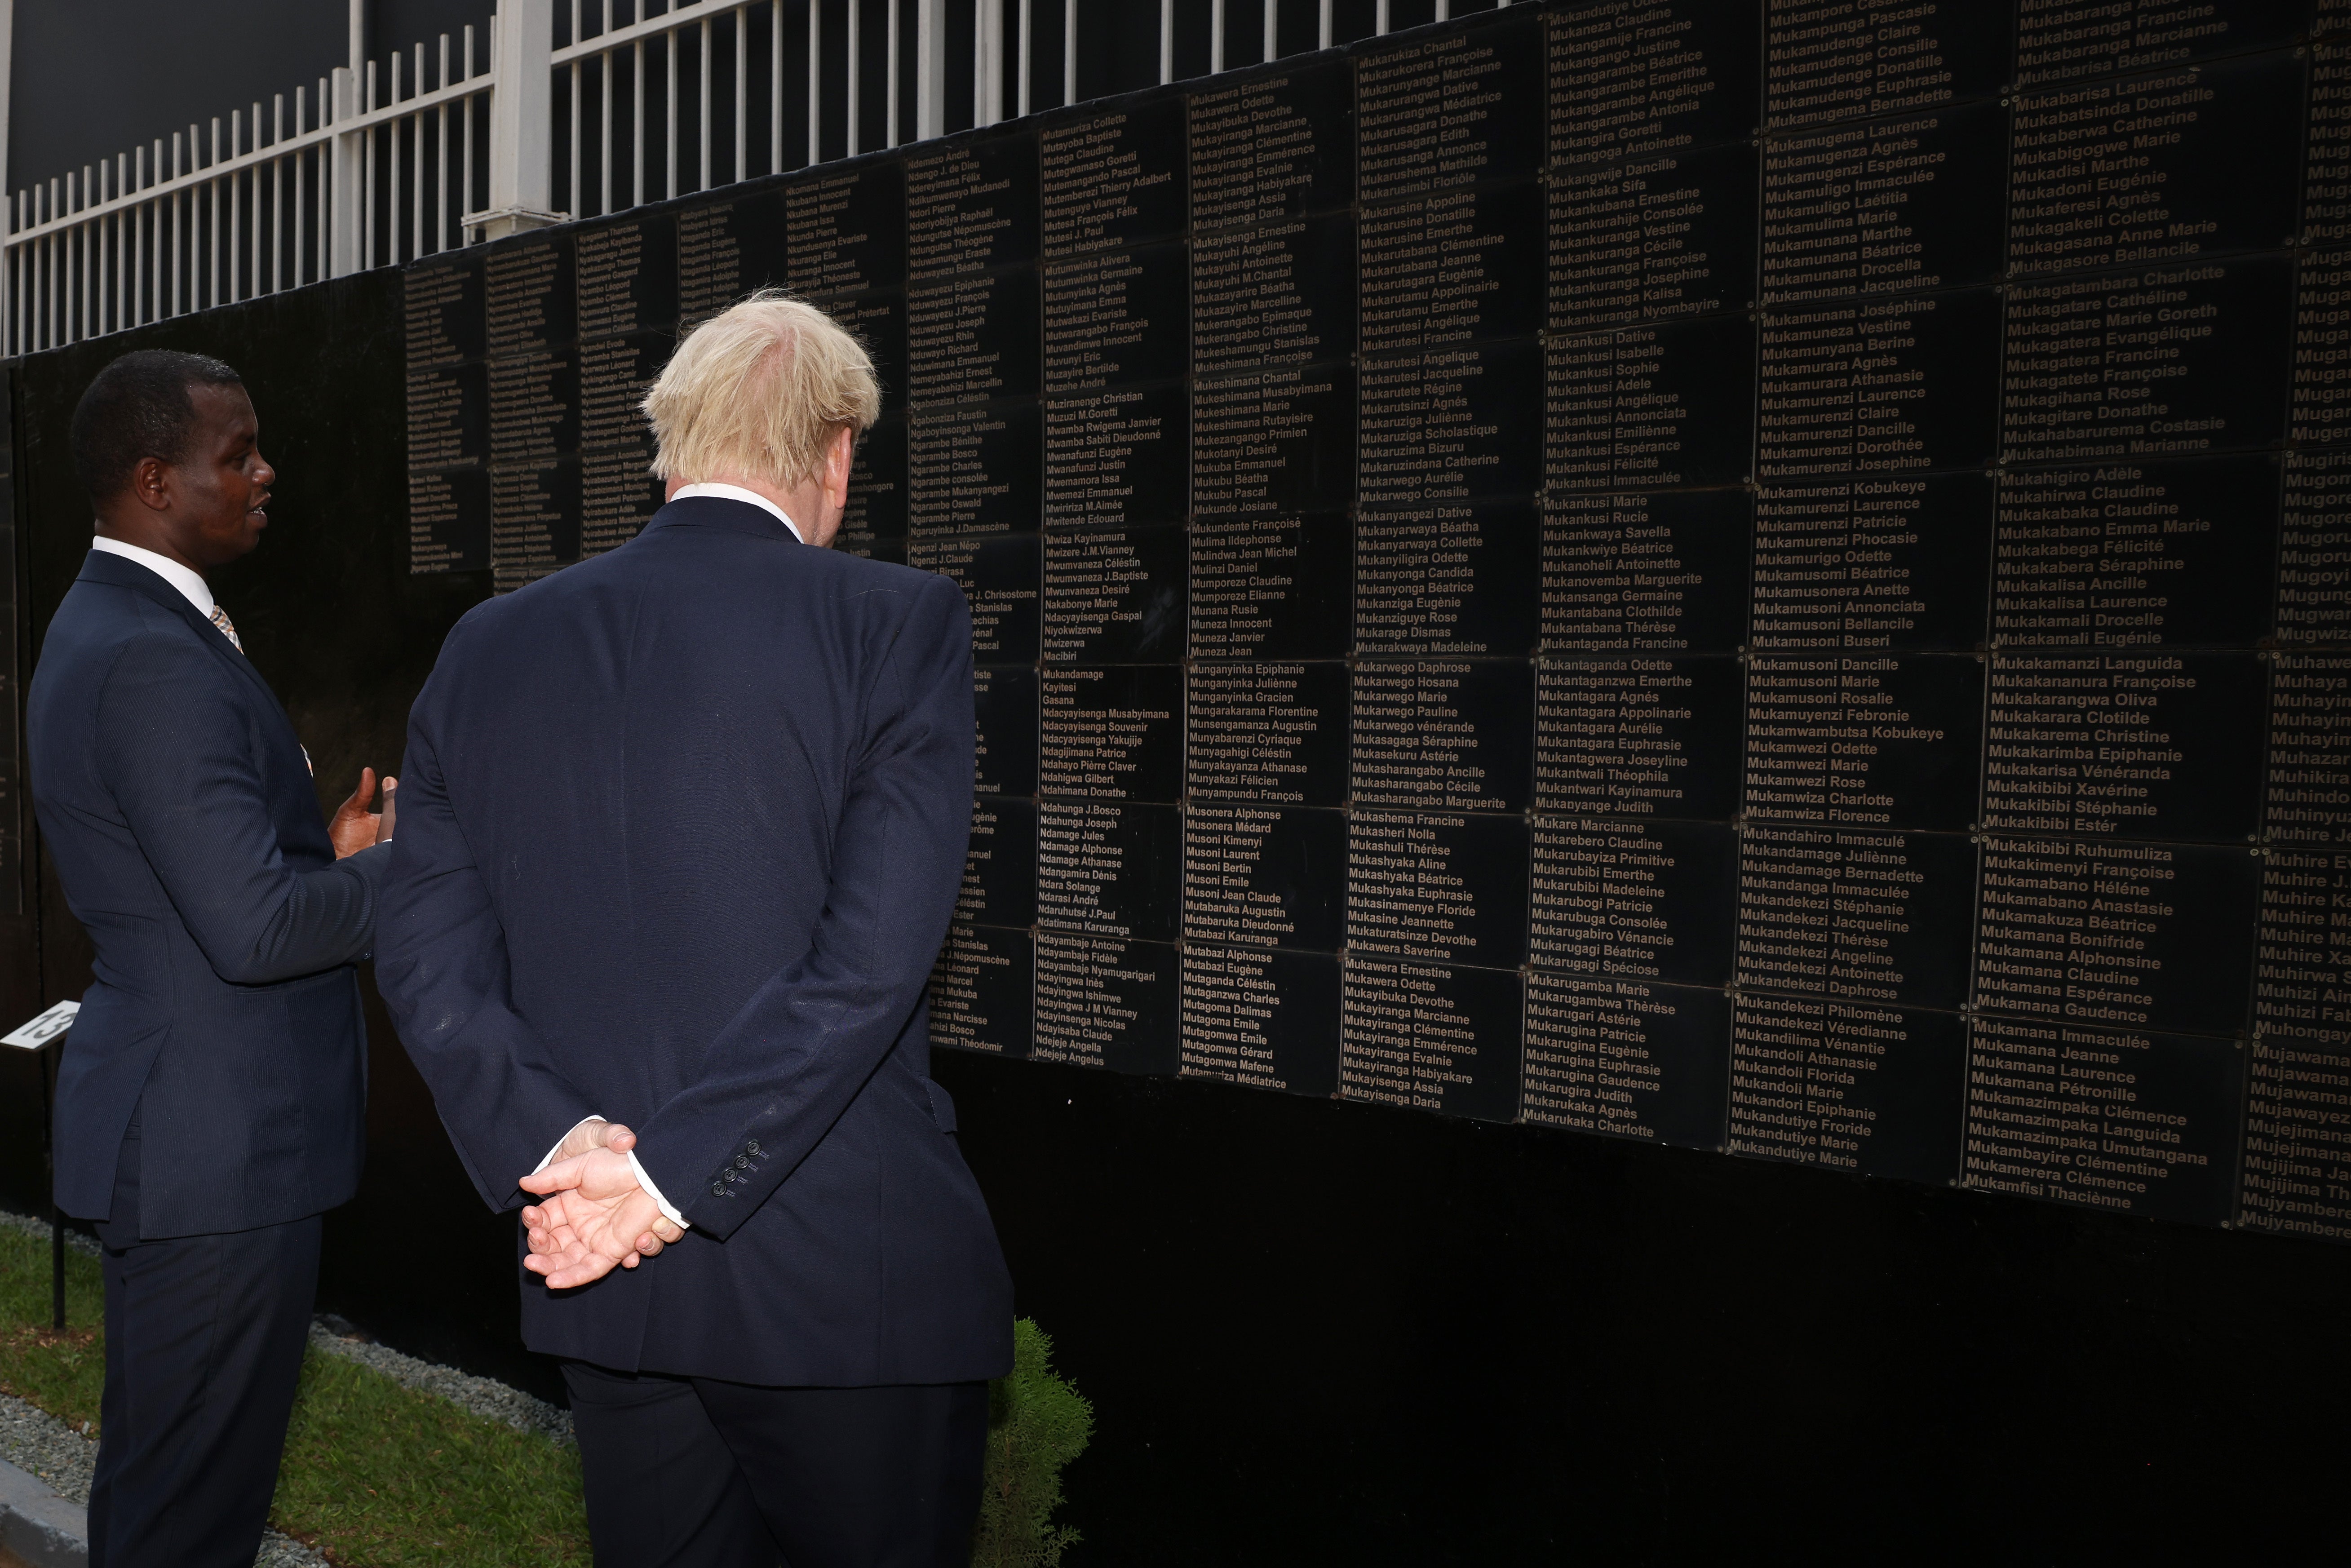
(114, 569)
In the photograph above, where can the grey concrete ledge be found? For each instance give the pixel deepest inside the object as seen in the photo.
(38, 1527)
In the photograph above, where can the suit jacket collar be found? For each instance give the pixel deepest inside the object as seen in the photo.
(718, 512)
(121, 572)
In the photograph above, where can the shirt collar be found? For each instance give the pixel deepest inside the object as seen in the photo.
(736, 493)
(191, 584)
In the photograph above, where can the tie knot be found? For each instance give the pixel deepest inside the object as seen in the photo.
(228, 628)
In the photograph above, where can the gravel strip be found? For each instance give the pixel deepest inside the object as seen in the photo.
(85, 1245)
(39, 1443)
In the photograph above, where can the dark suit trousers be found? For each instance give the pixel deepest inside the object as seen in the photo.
(204, 1347)
(697, 1473)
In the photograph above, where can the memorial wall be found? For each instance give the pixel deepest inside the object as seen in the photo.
(1768, 579)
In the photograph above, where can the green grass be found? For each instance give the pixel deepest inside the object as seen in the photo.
(376, 1475)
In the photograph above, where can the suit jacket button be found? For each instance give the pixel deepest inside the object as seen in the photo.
(742, 1162)
(718, 1189)
(751, 1145)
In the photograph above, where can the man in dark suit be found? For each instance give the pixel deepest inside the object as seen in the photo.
(209, 1104)
(681, 832)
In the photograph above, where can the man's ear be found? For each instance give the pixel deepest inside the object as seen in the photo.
(838, 461)
(151, 481)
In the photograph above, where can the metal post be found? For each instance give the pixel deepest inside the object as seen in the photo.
(342, 207)
(1380, 20)
(1167, 40)
(1025, 52)
(8, 40)
(1069, 51)
(1217, 36)
(854, 65)
(1272, 27)
(930, 68)
(815, 76)
(1326, 24)
(522, 111)
(988, 52)
(50, 1054)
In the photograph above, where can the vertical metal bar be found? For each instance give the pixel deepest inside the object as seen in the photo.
(441, 148)
(367, 251)
(235, 218)
(1069, 51)
(856, 9)
(416, 161)
(930, 68)
(135, 255)
(774, 87)
(277, 195)
(890, 94)
(1445, 9)
(669, 107)
(392, 191)
(980, 17)
(1216, 36)
(702, 175)
(742, 170)
(212, 286)
(1166, 41)
(466, 173)
(815, 70)
(571, 193)
(991, 56)
(1272, 27)
(1326, 24)
(604, 157)
(1380, 18)
(637, 130)
(1025, 52)
(173, 223)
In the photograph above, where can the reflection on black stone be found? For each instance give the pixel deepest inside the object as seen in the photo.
(1888, 386)
(983, 991)
(2321, 349)
(1452, 269)
(1281, 295)
(1670, 405)
(1103, 1002)
(1272, 588)
(1266, 877)
(1830, 59)
(1873, 563)
(1431, 1036)
(1004, 580)
(1439, 886)
(1116, 178)
(1115, 596)
(1895, 204)
(1449, 110)
(1000, 870)
(1879, 916)
(2313, 584)
(725, 250)
(1627, 1059)
(1873, 1090)
(1653, 238)
(1631, 77)
(1661, 572)
(848, 230)
(1117, 456)
(1444, 733)
(1274, 440)
(1651, 901)
(1272, 147)
(975, 469)
(1270, 1020)
(2062, 39)
(1638, 736)
(1274, 733)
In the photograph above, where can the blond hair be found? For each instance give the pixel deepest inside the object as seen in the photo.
(758, 391)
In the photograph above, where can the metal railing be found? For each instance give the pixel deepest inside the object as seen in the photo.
(609, 104)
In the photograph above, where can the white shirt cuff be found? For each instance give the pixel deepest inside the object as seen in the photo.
(669, 1210)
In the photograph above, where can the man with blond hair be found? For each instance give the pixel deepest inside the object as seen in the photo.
(682, 826)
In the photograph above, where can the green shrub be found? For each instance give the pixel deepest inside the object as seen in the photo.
(1036, 1425)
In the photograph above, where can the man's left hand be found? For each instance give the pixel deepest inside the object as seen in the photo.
(594, 1215)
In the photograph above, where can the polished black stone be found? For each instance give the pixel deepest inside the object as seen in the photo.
(1640, 737)
(1435, 1037)
(1000, 873)
(1438, 111)
(1647, 901)
(1655, 238)
(1120, 455)
(1451, 733)
(1272, 144)
(1864, 740)
(972, 204)
(1856, 1087)
(1115, 596)
(1272, 588)
(1109, 868)
(1872, 562)
(1005, 707)
(976, 468)
(1004, 579)
(1113, 178)
(1272, 734)
(846, 229)
(983, 991)
(1107, 1002)
(627, 277)
(728, 248)
(1636, 76)
(1451, 268)
(1264, 1019)
(1116, 317)
(1280, 294)
(1627, 1059)
(1828, 59)
(1113, 733)
(1448, 579)
(1278, 440)
(1871, 916)
(1669, 405)
(1447, 885)
(1265, 875)
(1885, 386)
(1649, 571)
(974, 336)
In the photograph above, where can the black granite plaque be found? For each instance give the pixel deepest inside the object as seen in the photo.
(972, 205)
(1665, 405)
(614, 373)
(1438, 885)
(1448, 579)
(1273, 588)
(627, 277)
(1266, 877)
(1452, 267)
(1281, 294)
(983, 991)
(1275, 440)
(1115, 596)
(1103, 1002)
(1636, 76)
(1272, 146)
(1627, 1059)
(1456, 733)
(2139, 1123)
(2313, 586)
(1266, 1020)
(1114, 733)
(2063, 39)
(449, 521)
(1831, 59)
(1885, 386)
(1275, 733)
(876, 509)
(2168, 361)
(446, 311)
(2164, 554)
(977, 468)
(534, 407)
(1113, 178)
(727, 249)
(847, 229)
(879, 321)
(618, 494)
(2113, 933)
(1647, 901)
(2326, 147)
(2156, 169)
(1109, 869)
(448, 416)
(1639, 737)
(1115, 317)
(2147, 745)
(2308, 798)
(2296, 1178)
(530, 298)
(1853, 1086)
(1889, 206)
(1865, 741)
(971, 337)
(1658, 571)
(1005, 707)
(1004, 579)
(1122, 455)
(1431, 1036)
(1885, 917)
(1441, 111)
(1895, 562)
(1655, 238)
(999, 871)
(2321, 415)
(535, 511)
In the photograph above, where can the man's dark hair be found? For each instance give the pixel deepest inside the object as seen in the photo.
(139, 406)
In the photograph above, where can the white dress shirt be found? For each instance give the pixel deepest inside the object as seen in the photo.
(736, 493)
(191, 583)
(669, 1210)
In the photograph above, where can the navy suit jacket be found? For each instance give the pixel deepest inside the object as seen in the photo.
(681, 827)
(181, 816)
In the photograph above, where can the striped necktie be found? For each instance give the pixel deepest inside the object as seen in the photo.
(228, 628)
